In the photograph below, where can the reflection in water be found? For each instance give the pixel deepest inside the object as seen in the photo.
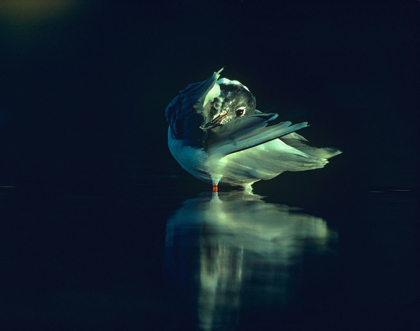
(236, 250)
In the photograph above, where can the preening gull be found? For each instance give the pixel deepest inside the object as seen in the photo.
(217, 135)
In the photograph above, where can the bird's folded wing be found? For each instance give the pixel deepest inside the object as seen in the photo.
(185, 112)
(247, 132)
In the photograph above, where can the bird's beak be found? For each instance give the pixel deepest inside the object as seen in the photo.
(213, 123)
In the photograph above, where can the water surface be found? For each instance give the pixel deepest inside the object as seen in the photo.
(162, 258)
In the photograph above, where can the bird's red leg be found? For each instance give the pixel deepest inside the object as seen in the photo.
(215, 188)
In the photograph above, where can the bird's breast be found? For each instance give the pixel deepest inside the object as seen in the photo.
(190, 158)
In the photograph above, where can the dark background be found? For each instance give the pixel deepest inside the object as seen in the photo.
(87, 182)
(84, 84)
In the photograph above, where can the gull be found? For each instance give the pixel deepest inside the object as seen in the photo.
(217, 135)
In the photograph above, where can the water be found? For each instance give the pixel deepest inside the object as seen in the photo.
(162, 258)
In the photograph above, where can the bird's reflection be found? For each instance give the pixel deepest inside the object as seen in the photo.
(234, 250)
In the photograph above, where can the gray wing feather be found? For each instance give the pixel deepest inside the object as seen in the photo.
(185, 112)
(247, 132)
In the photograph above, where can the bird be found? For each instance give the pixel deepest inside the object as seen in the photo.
(216, 134)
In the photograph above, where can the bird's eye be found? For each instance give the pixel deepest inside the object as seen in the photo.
(240, 112)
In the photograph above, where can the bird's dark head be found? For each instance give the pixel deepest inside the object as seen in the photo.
(234, 101)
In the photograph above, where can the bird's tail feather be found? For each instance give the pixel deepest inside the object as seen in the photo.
(247, 166)
(297, 141)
